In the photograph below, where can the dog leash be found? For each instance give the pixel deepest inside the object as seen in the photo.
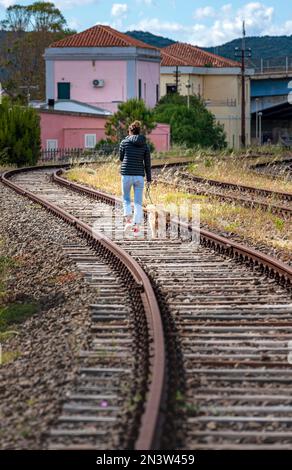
(148, 195)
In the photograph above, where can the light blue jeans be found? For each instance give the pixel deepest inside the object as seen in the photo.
(138, 184)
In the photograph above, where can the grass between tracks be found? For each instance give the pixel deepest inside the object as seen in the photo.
(255, 225)
(252, 152)
(236, 170)
(11, 314)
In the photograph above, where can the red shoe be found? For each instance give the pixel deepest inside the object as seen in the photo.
(137, 232)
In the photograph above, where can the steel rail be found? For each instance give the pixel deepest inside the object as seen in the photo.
(151, 420)
(267, 264)
(229, 198)
(225, 184)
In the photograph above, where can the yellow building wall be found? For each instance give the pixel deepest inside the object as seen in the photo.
(218, 89)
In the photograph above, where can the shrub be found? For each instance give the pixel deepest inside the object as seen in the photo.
(191, 126)
(117, 125)
(107, 147)
(19, 134)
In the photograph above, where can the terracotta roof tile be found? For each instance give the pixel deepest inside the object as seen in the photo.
(185, 54)
(101, 36)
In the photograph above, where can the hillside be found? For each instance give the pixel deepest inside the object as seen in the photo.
(265, 47)
(152, 39)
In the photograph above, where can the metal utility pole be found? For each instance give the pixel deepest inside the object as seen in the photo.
(243, 53)
(177, 77)
(188, 86)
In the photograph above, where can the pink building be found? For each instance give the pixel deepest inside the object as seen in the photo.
(87, 76)
(83, 128)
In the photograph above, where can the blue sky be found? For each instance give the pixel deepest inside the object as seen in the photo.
(201, 23)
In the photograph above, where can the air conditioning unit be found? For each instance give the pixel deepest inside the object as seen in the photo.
(98, 83)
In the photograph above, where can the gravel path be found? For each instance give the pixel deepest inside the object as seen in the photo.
(33, 386)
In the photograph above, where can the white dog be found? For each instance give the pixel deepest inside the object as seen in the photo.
(157, 221)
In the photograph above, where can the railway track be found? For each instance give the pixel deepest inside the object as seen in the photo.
(248, 196)
(280, 169)
(115, 398)
(226, 314)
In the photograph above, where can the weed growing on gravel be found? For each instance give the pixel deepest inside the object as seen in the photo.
(236, 170)
(9, 356)
(6, 264)
(279, 224)
(13, 314)
(252, 224)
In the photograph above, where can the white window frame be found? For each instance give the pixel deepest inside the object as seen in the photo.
(50, 142)
(86, 137)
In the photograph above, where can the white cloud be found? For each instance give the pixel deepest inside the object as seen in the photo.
(226, 8)
(119, 10)
(6, 3)
(73, 23)
(154, 25)
(68, 4)
(258, 17)
(259, 20)
(204, 12)
(146, 2)
(119, 13)
(277, 30)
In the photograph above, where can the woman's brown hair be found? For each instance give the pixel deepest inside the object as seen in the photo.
(135, 127)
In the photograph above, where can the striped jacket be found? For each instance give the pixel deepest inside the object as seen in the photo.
(135, 156)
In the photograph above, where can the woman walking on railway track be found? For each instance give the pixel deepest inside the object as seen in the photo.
(136, 160)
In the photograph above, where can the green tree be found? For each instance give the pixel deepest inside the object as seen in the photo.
(17, 19)
(191, 126)
(117, 125)
(29, 30)
(19, 134)
(46, 17)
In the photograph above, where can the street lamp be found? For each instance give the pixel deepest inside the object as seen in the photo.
(188, 86)
(260, 127)
(28, 88)
(257, 127)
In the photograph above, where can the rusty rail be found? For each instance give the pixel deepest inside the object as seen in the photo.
(151, 420)
(225, 184)
(277, 209)
(269, 265)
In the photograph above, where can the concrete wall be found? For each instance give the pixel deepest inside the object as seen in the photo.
(149, 73)
(223, 88)
(70, 130)
(270, 87)
(81, 75)
(196, 82)
(120, 73)
(218, 89)
(160, 136)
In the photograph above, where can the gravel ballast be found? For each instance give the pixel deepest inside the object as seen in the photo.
(35, 383)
